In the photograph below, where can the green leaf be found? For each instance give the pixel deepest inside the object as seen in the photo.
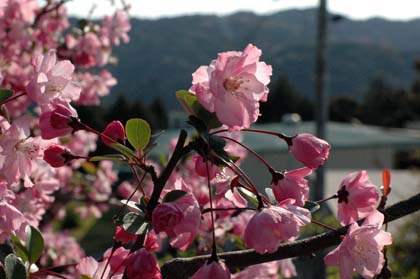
(109, 157)
(138, 133)
(174, 195)
(134, 223)
(249, 196)
(85, 277)
(19, 248)
(127, 152)
(270, 195)
(186, 99)
(312, 206)
(14, 267)
(132, 205)
(191, 105)
(5, 94)
(34, 244)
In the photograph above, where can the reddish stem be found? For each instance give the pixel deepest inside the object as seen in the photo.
(286, 138)
(270, 169)
(327, 199)
(243, 175)
(139, 181)
(114, 247)
(130, 197)
(325, 226)
(12, 98)
(214, 248)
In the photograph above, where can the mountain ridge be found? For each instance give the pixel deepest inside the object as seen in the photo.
(164, 52)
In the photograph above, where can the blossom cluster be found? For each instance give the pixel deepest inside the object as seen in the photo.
(45, 161)
(43, 65)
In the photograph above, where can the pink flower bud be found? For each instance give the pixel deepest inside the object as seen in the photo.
(142, 265)
(275, 224)
(118, 259)
(152, 242)
(57, 121)
(122, 236)
(201, 167)
(165, 217)
(57, 156)
(212, 270)
(309, 150)
(293, 185)
(115, 130)
(179, 219)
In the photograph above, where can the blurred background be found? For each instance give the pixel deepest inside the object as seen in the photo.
(348, 71)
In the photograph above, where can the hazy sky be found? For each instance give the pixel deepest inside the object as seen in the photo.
(360, 9)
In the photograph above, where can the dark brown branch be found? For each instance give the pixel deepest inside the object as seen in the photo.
(48, 9)
(179, 152)
(182, 268)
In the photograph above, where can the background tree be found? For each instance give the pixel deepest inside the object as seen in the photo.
(343, 109)
(285, 99)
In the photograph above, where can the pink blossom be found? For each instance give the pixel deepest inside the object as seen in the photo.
(63, 249)
(116, 27)
(81, 143)
(3, 4)
(361, 249)
(261, 271)
(56, 120)
(212, 270)
(122, 236)
(88, 267)
(272, 225)
(86, 50)
(114, 130)
(240, 222)
(179, 219)
(201, 167)
(125, 189)
(232, 86)
(357, 197)
(52, 79)
(118, 259)
(309, 150)
(94, 87)
(142, 265)
(287, 268)
(226, 188)
(232, 148)
(292, 185)
(11, 220)
(48, 26)
(152, 242)
(19, 152)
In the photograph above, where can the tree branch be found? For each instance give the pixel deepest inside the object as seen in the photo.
(182, 268)
(177, 155)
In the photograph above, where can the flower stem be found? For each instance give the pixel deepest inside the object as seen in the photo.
(258, 156)
(324, 226)
(12, 98)
(327, 199)
(130, 197)
(214, 248)
(139, 182)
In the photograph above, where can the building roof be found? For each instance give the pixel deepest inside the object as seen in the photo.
(339, 135)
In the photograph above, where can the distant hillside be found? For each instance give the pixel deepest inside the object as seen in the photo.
(163, 53)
